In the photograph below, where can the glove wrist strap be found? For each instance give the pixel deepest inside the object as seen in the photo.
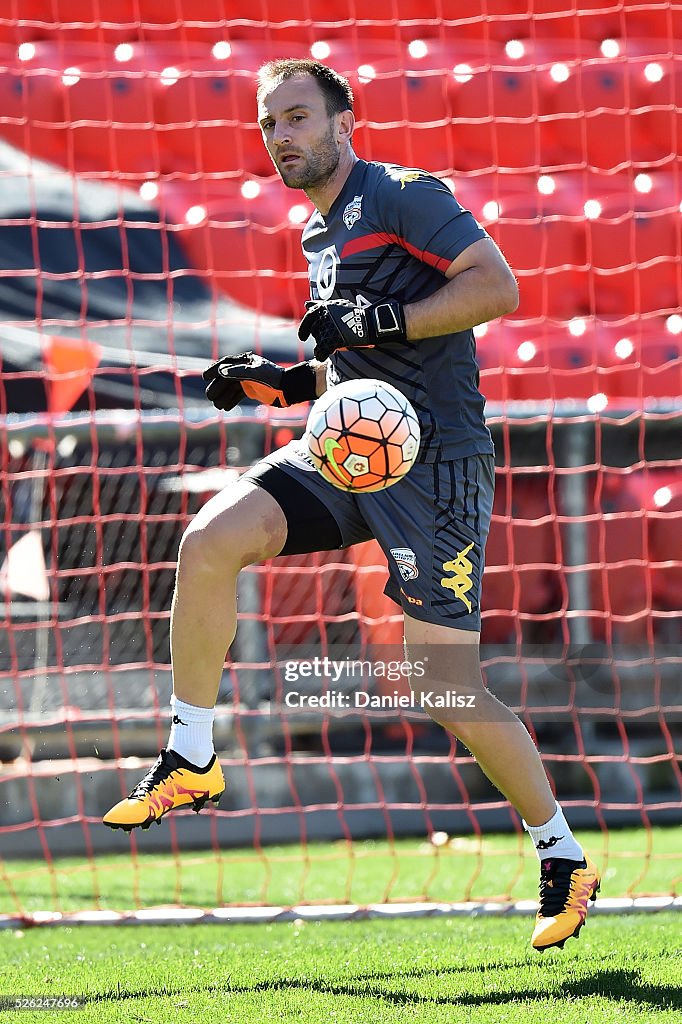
(389, 321)
(299, 383)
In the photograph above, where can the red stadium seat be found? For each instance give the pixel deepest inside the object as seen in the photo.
(195, 21)
(553, 19)
(408, 103)
(662, 367)
(664, 508)
(607, 115)
(496, 119)
(586, 115)
(109, 105)
(652, 19)
(207, 112)
(641, 360)
(539, 362)
(656, 108)
(347, 55)
(551, 363)
(245, 56)
(273, 21)
(440, 55)
(405, 119)
(112, 122)
(32, 110)
(72, 20)
(540, 52)
(633, 246)
(248, 248)
(522, 589)
(328, 19)
(623, 234)
(626, 259)
(543, 241)
(250, 54)
(208, 123)
(618, 554)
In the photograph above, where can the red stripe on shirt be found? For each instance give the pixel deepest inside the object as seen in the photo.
(365, 242)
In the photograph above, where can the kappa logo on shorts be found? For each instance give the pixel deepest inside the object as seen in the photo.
(461, 583)
(406, 560)
(353, 212)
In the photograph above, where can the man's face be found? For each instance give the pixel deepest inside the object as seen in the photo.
(299, 134)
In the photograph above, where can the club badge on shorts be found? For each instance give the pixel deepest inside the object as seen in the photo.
(406, 560)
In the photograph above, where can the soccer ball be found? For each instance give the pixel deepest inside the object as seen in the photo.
(362, 435)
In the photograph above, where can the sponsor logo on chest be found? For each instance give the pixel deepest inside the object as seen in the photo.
(326, 272)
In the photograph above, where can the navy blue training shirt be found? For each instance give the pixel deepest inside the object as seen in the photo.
(392, 232)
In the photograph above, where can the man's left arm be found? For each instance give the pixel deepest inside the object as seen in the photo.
(480, 287)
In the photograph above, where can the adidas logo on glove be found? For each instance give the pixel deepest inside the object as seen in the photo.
(355, 320)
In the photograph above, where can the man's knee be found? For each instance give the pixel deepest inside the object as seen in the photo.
(457, 702)
(463, 708)
(237, 527)
(202, 549)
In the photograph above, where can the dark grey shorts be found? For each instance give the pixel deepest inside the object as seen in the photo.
(432, 527)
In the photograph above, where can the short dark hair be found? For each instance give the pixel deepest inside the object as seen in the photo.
(336, 89)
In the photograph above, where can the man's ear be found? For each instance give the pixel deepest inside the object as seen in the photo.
(345, 125)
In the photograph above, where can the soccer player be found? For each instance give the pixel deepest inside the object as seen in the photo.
(399, 274)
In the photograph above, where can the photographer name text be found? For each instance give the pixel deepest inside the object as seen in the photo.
(362, 701)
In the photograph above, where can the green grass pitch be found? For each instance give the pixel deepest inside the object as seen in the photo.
(469, 970)
(427, 970)
(632, 862)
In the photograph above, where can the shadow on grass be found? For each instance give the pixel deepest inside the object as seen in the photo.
(625, 986)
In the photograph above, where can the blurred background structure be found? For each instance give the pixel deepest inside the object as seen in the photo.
(143, 234)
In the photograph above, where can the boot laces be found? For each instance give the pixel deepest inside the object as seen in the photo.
(556, 888)
(159, 771)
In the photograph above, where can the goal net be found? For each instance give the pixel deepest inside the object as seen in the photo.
(144, 234)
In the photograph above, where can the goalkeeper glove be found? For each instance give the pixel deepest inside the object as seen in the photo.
(342, 324)
(232, 378)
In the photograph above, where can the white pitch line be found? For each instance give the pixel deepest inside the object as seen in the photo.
(328, 912)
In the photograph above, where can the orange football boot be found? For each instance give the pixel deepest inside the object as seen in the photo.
(172, 782)
(565, 888)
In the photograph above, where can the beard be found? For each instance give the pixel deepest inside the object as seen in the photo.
(317, 166)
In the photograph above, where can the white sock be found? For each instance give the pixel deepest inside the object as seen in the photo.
(191, 733)
(554, 838)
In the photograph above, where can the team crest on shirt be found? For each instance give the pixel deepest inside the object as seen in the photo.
(353, 212)
(406, 560)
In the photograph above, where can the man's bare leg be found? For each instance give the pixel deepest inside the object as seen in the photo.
(494, 735)
(241, 525)
(506, 753)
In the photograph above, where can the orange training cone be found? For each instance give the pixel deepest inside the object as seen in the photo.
(70, 364)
